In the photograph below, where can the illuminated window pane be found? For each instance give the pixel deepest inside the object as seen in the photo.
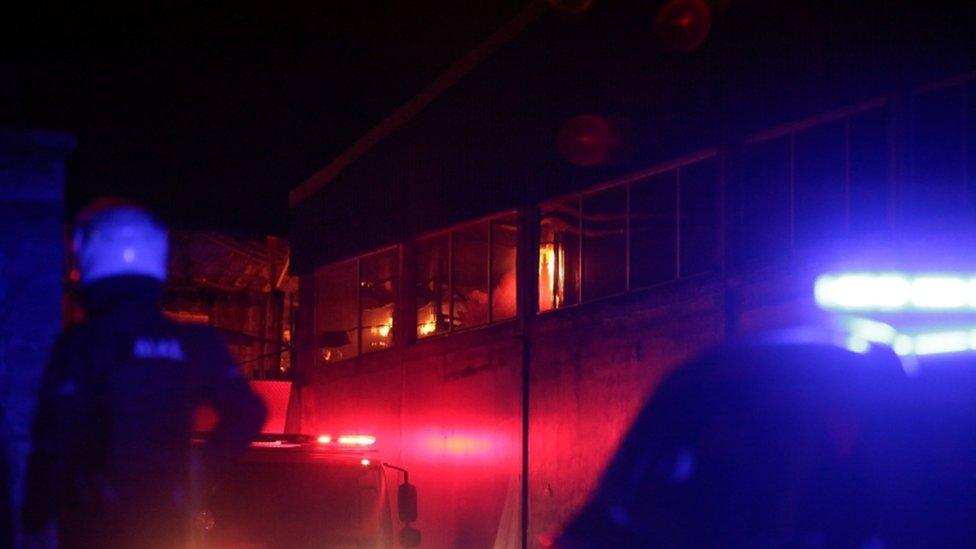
(470, 276)
(432, 290)
(337, 311)
(653, 226)
(605, 243)
(504, 243)
(699, 217)
(377, 286)
(559, 245)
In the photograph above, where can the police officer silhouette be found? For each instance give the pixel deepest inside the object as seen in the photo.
(113, 464)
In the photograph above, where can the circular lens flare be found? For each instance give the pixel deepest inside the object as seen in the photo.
(683, 25)
(588, 140)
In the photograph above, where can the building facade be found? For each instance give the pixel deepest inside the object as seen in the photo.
(496, 278)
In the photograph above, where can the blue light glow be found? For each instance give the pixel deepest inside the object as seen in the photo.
(935, 343)
(862, 332)
(895, 292)
(870, 330)
(855, 344)
(942, 342)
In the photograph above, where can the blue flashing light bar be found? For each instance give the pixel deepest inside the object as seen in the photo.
(935, 343)
(864, 332)
(894, 292)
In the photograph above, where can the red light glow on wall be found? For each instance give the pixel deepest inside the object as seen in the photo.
(458, 445)
(473, 446)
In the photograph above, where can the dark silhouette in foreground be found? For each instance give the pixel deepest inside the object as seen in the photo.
(794, 444)
(112, 464)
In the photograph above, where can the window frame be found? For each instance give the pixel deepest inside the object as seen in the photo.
(359, 302)
(789, 131)
(449, 231)
(711, 153)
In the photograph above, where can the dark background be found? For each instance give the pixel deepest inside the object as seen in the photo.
(212, 112)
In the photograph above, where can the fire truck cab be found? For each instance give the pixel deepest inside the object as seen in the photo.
(300, 491)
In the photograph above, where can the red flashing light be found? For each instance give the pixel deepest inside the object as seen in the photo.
(273, 444)
(324, 439)
(357, 440)
(365, 462)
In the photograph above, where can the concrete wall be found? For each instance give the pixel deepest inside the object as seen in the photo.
(584, 396)
(31, 268)
(450, 409)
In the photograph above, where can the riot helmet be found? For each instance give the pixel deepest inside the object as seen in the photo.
(114, 237)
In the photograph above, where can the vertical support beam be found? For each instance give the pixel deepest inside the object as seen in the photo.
(527, 299)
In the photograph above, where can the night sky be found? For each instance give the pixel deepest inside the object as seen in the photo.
(211, 113)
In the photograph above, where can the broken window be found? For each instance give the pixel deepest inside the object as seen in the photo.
(337, 311)
(377, 297)
(433, 285)
(465, 277)
(559, 253)
(470, 276)
(356, 305)
(504, 246)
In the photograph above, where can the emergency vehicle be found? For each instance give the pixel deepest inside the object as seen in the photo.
(858, 432)
(304, 492)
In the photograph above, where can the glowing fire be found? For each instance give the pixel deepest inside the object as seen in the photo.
(427, 327)
(552, 276)
(383, 330)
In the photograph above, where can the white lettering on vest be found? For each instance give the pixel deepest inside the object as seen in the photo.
(149, 348)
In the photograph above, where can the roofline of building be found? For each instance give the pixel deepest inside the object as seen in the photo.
(420, 101)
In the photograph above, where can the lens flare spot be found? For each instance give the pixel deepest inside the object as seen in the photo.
(683, 25)
(588, 140)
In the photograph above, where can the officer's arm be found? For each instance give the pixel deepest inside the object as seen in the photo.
(41, 485)
(241, 413)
